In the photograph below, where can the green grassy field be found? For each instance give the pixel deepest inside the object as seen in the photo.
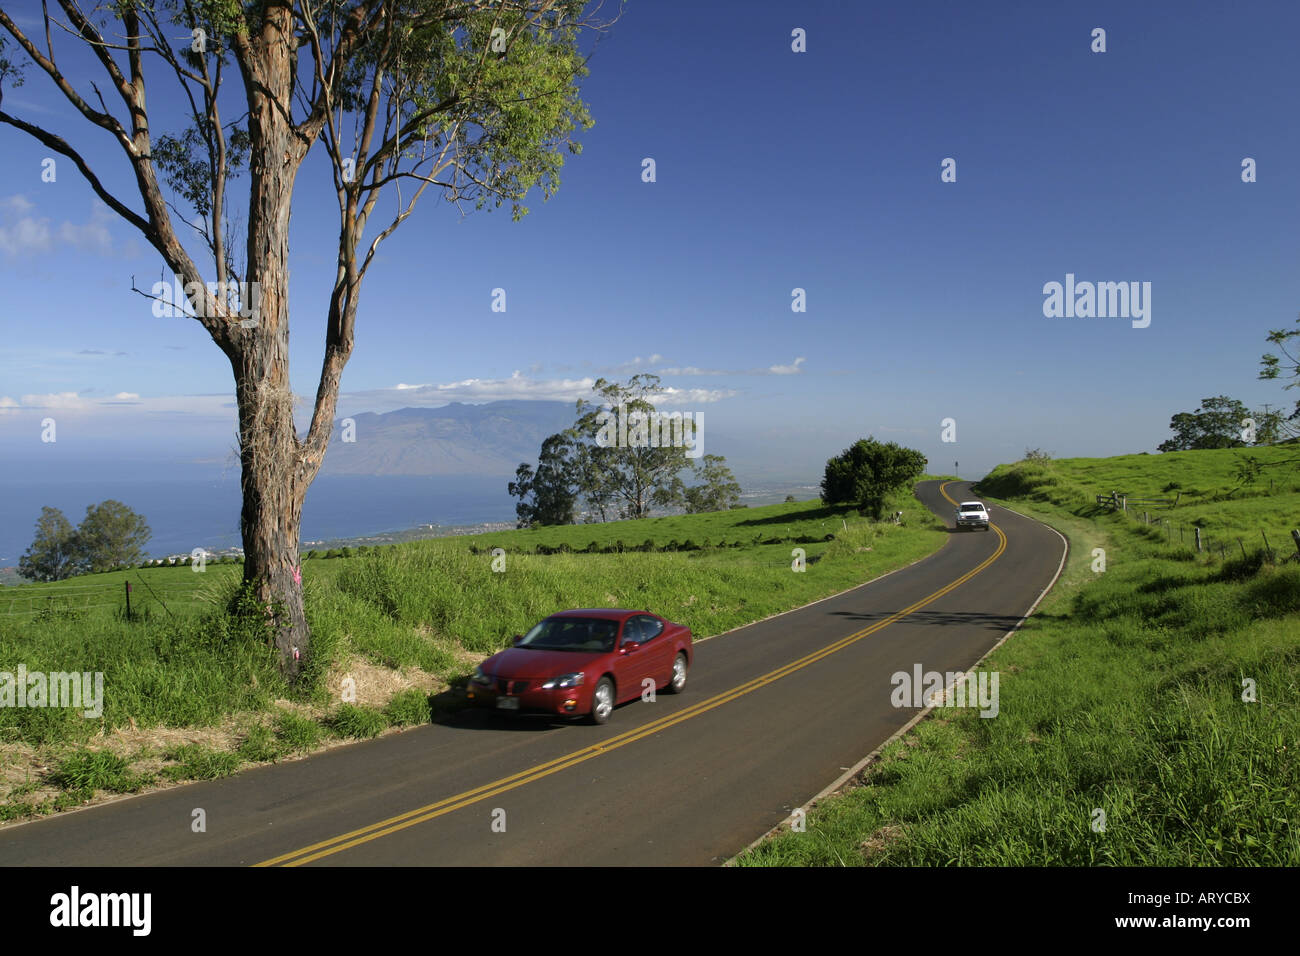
(1122, 737)
(1208, 493)
(192, 692)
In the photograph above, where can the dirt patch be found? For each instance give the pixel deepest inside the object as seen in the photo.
(879, 841)
(375, 685)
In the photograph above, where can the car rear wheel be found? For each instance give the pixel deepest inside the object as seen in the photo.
(678, 681)
(602, 701)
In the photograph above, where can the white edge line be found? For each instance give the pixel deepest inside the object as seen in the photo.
(858, 767)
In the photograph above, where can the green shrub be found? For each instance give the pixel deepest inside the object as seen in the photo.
(297, 733)
(89, 770)
(196, 762)
(260, 745)
(409, 707)
(353, 721)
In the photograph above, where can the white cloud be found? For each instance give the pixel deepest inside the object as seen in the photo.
(793, 369)
(52, 400)
(517, 386)
(788, 369)
(17, 203)
(27, 234)
(74, 403)
(694, 396)
(220, 407)
(92, 236)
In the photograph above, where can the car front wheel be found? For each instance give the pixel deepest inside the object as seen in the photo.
(678, 681)
(602, 701)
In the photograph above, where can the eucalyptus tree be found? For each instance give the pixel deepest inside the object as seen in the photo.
(479, 99)
(632, 455)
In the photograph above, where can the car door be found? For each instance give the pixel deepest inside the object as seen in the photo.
(630, 665)
(659, 659)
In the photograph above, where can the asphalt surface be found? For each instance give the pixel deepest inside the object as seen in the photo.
(772, 713)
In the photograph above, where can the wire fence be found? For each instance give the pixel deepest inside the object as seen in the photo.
(1283, 546)
(131, 597)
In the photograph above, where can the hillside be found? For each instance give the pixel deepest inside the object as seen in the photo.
(1150, 711)
(1205, 484)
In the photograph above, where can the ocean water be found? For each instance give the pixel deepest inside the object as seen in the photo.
(197, 506)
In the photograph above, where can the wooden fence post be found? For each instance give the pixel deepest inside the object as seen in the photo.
(1271, 556)
(1198, 539)
(1295, 536)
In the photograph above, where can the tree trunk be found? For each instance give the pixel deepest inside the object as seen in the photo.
(275, 474)
(273, 491)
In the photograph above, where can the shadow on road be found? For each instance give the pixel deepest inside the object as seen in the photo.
(1000, 623)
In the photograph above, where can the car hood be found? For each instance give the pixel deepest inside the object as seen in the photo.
(518, 662)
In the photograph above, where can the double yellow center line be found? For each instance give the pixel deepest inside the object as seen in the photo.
(411, 818)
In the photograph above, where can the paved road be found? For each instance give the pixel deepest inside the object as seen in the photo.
(772, 714)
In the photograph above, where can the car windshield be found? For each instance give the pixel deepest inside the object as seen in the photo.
(972, 507)
(572, 634)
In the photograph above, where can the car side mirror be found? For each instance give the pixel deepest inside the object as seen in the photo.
(631, 646)
(517, 639)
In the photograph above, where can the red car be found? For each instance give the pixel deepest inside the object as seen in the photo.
(585, 662)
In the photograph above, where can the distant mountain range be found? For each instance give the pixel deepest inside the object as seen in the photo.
(491, 439)
(457, 439)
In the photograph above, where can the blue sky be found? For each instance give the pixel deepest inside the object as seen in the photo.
(775, 170)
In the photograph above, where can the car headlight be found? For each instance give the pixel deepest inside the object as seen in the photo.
(564, 680)
(480, 678)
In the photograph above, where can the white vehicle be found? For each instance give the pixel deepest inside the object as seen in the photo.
(972, 514)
